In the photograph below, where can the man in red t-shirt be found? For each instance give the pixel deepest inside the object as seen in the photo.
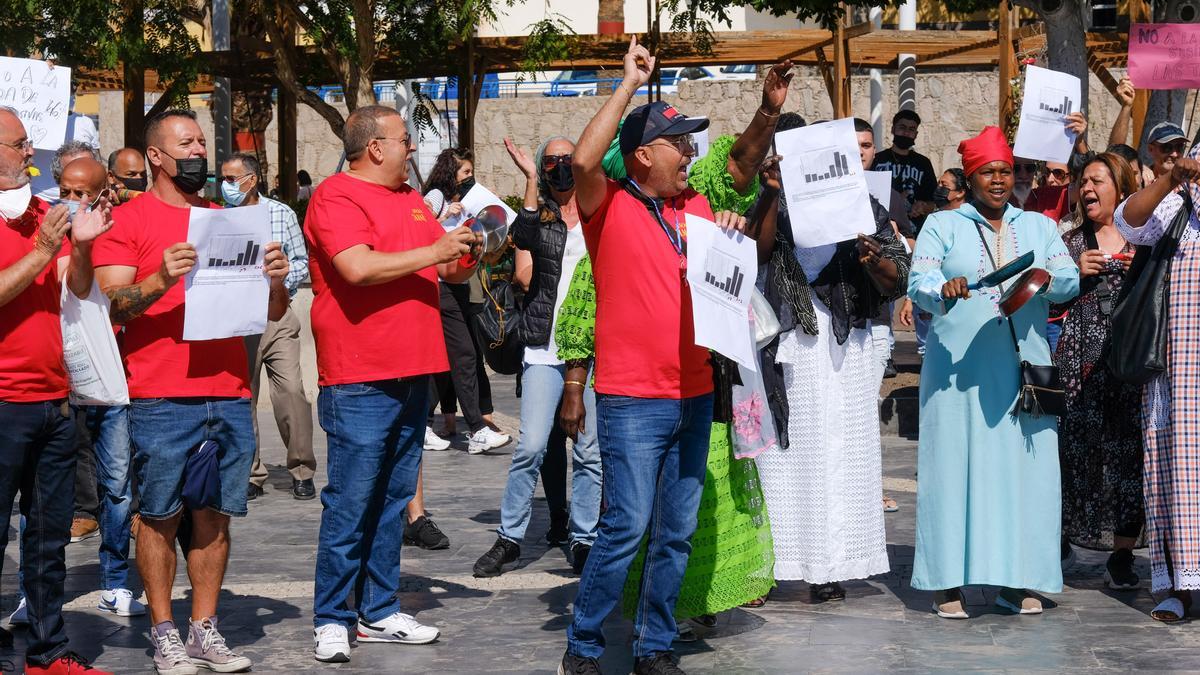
(182, 394)
(37, 427)
(653, 383)
(376, 253)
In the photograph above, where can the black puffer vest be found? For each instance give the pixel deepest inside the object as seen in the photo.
(544, 234)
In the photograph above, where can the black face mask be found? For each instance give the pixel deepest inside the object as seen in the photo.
(191, 174)
(135, 184)
(903, 142)
(941, 196)
(465, 187)
(560, 177)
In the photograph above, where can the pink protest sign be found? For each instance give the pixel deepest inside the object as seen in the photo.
(1164, 55)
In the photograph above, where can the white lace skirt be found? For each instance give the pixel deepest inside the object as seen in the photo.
(824, 492)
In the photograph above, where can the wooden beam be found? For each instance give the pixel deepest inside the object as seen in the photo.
(827, 74)
(1102, 74)
(1007, 60)
(841, 69)
(855, 31)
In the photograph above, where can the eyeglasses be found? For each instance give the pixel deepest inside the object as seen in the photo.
(682, 144)
(551, 161)
(235, 179)
(407, 140)
(20, 146)
(1028, 168)
(1169, 148)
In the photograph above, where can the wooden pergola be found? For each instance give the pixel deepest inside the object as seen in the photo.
(835, 53)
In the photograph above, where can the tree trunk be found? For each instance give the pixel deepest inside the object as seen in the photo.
(611, 17)
(1066, 49)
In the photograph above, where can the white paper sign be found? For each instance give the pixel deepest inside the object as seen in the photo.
(41, 95)
(823, 183)
(226, 293)
(1049, 97)
(722, 268)
(473, 202)
(700, 139)
(879, 184)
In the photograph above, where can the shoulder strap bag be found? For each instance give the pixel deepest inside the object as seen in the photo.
(1138, 342)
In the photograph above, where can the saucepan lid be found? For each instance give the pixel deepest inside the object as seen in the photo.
(491, 224)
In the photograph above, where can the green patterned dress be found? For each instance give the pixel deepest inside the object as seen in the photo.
(732, 555)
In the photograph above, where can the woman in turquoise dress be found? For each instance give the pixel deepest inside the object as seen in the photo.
(988, 490)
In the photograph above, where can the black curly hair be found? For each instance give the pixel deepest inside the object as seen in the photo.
(445, 169)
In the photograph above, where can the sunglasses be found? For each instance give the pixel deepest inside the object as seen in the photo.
(1173, 147)
(551, 161)
(1059, 173)
(1028, 168)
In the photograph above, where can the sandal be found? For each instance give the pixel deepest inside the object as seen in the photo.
(890, 505)
(706, 620)
(1018, 601)
(755, 603)
(826, 593)
(948, 604)
(1170, 610)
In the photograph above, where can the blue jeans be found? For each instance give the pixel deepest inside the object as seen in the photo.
(375, 431)
(109, 427)
(37, 460)
(1053, 332)
(541, 392)
(654, 453)
(921, 321)
(163, 430)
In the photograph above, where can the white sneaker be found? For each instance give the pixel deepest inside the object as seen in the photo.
(332, 643)
(398, 627)
(20, 615)
(435, 442)
(120, 602)
(485, 439)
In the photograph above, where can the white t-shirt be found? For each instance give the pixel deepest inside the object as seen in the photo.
(574, 251)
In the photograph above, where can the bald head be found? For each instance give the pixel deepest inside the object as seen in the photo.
(127, 169)
(83, 180)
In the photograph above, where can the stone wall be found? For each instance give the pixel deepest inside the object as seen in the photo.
(953, 106)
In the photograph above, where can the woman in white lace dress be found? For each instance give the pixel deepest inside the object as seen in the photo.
(822, 375)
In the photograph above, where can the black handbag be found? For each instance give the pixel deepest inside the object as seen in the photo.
(498, 326)
(1041, 390)
(1138, 341)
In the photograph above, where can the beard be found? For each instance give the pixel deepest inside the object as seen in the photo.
(1021, 192)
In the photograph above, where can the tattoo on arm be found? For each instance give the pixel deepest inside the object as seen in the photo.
(129, 302)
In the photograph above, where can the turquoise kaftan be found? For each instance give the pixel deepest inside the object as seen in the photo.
(988, 492)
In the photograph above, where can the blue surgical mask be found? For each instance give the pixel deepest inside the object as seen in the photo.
(72, 208)
(233, 196)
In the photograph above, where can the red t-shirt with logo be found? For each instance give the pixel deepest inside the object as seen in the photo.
(31, 346)
(383, 331)
(158, 363)
(645, 338)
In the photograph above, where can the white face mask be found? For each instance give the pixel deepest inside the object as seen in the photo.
(14, 203)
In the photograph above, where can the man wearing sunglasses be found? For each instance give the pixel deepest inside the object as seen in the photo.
(278, 348)
(1166, 143)
(654, 384)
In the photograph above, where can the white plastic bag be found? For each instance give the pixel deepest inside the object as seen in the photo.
(766, 324)
(753, 424)
(90, 350)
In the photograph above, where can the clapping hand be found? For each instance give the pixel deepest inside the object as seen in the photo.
(91, 223)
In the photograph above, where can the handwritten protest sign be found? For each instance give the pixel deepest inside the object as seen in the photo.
(41, 95)
(1164, 55)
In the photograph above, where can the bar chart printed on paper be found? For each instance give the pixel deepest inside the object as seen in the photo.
(825, 166)
(722, 272)
(233, 250)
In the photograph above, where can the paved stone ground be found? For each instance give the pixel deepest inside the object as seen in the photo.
(516, 623)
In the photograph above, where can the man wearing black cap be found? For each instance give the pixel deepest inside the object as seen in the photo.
(653, 383)
(1166, 143)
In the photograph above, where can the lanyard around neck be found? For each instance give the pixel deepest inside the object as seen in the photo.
(675, 238)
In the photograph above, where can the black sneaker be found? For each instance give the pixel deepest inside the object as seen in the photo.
(501, 553)
(889, 370)
(253, 492)
(423, 533)
(659, 664)
(303, 489)
(1119, 574)
(559, 532)
(579, 556)
(578, 665)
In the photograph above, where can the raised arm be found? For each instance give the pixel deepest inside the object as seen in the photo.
(586, 165)
(754, 143)
(1138, 209)
(87, 225)
(1120, 131)
(15, 278)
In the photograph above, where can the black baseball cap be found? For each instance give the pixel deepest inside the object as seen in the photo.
(651, 120)
(1165, 132)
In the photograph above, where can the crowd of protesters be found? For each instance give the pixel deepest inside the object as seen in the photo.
(663, 518)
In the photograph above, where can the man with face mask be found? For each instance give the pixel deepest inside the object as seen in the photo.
(182, 393)
(912, 172)
(37, 426)
(127, 173)
(279, 345)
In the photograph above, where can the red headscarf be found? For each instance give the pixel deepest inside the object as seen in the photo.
(989, 146)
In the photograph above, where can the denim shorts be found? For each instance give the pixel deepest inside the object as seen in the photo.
(163, 430)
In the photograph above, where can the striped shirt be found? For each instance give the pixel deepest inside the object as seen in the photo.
(285, 229)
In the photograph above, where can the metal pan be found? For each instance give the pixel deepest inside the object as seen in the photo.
(1030, 283)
